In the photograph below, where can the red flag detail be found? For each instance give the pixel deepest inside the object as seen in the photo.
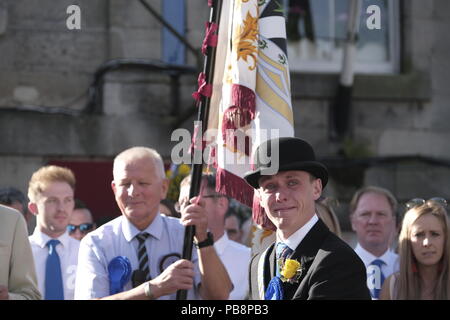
(233, 186)
(210, 36)
(239, 115)
(259, 215)
(204, 89)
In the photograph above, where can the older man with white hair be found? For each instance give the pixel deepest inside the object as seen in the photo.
(137, 255)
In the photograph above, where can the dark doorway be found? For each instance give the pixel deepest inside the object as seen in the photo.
(93, 186)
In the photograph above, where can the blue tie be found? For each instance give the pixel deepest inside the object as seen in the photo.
(53, 279)
(274, 289)
(282, 251)
(375, 277)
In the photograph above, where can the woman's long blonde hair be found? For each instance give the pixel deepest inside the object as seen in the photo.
(408, 283)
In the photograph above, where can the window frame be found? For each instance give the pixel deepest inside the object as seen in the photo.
(389, 67)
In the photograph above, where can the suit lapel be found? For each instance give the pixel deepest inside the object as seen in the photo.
(270, 270)
(263, 266)
(312, 241)
(305, 253)
(262, 270)
(268, 267)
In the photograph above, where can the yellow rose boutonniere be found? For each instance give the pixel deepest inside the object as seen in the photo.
(291, 271)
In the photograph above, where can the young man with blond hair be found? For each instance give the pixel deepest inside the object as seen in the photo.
(307, 260)
(51, 194)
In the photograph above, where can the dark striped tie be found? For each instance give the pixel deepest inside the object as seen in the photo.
(142, 254)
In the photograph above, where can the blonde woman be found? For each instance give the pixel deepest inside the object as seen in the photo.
(325, 211)
(424, 247)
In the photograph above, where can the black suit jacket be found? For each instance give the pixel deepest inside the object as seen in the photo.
(331, 269)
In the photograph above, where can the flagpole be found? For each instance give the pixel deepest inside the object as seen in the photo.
(202, 118)
(341, 108)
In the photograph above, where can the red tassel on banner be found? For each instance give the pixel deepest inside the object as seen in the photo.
(239, 115)
(243, 97)
(259, 215)
(233, 186)
(242, 109)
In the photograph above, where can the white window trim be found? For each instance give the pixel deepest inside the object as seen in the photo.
(391, 67)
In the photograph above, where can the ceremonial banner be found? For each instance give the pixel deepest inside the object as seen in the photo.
(251, 100)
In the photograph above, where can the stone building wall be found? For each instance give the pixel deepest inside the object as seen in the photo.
(45, 66)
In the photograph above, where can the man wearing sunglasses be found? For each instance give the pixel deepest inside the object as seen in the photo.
(81, 221)
(373, 218)
(234, 256)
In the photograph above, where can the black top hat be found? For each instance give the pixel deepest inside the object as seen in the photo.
(293, 154)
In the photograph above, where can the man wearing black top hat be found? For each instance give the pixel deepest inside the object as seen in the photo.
(307, 261)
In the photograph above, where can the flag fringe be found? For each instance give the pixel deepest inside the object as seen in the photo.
(234, 187)
(259, 215)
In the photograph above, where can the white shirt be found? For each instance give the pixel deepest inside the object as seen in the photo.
(236, 259)
(117, 238)
(390, 258)
(68, 255)
(294, 240)
(391, 265)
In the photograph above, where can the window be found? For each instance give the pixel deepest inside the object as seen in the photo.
(316, 31)
(173, 50)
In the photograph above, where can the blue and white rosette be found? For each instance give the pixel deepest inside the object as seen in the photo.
(119, 273)
(274, 290)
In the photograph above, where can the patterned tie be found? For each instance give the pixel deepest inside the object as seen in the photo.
(282, 252)
(53, 278)
(375, 277)
(142, 254)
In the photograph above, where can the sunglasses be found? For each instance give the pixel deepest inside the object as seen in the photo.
(419, 201)
(84, 227)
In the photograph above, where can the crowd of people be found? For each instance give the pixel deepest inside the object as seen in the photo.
(51, 247)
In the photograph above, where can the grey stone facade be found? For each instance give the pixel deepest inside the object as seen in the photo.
(44, 66)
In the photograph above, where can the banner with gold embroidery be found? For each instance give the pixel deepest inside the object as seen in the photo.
(251, 100)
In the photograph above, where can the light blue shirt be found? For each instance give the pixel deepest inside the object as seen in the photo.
(117, 238)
